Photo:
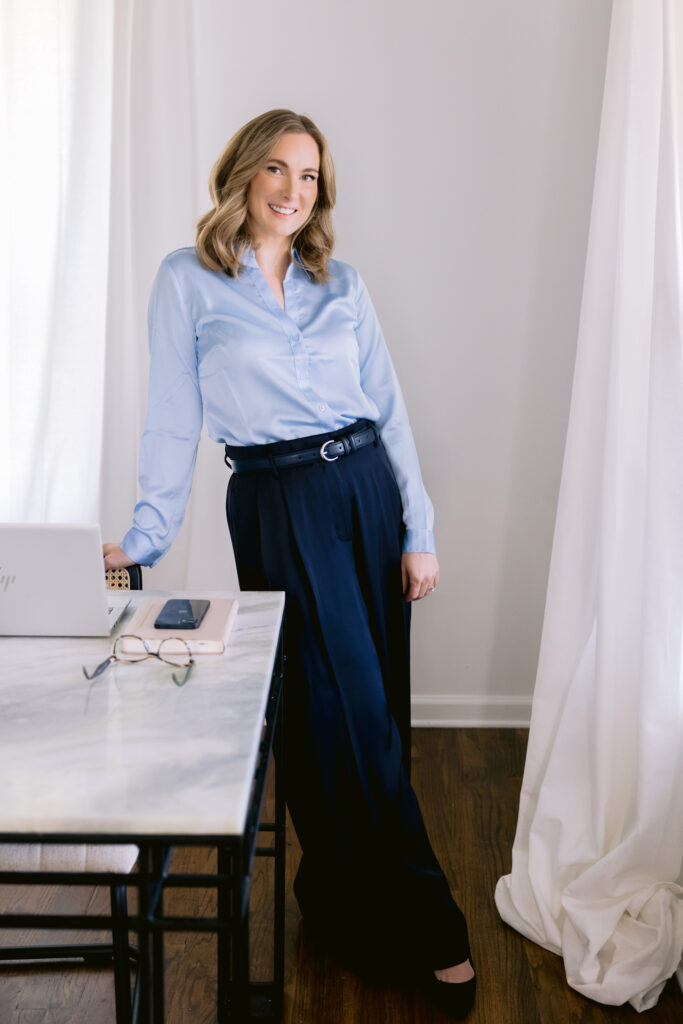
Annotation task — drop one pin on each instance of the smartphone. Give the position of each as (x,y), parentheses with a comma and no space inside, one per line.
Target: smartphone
(179,613)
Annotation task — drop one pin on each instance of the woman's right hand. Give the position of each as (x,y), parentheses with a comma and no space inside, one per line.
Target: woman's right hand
(115,557)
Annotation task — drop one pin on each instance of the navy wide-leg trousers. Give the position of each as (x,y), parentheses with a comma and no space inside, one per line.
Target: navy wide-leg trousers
(329,535)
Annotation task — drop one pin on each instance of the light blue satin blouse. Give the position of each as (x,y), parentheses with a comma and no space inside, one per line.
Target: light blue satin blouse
(223,348)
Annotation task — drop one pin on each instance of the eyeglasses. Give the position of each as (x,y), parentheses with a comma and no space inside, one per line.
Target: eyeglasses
(172,650)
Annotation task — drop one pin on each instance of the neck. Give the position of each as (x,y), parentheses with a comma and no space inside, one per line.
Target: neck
(272,256)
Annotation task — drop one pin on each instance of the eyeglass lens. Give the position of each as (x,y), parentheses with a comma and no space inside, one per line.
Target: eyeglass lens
(172,650)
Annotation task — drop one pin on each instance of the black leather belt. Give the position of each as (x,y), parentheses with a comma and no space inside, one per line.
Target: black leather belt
(329,451)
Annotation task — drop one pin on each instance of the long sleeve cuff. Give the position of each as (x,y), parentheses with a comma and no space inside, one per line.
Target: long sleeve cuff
(418,541)
(136,545)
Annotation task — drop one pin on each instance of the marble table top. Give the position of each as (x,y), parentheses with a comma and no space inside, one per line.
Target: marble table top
(130,753)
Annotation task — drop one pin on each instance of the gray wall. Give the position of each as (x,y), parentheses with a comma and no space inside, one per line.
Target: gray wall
(465,137)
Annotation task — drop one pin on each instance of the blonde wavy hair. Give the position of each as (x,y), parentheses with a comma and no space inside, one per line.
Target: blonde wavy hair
(223,232)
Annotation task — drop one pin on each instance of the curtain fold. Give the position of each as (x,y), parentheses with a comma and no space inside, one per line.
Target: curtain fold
(158,190)
(598,855)
(55,102)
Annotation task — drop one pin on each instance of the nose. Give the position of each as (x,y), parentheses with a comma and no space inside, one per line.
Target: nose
(288,187)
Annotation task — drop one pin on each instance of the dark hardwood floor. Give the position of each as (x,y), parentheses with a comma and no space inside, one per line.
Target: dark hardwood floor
(468,782)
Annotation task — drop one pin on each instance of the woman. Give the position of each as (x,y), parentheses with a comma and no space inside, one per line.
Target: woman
(278,345)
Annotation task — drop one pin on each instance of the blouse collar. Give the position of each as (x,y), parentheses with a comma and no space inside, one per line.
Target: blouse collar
(249,260)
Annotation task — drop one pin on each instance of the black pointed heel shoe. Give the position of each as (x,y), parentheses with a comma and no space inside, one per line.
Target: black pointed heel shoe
(456,998)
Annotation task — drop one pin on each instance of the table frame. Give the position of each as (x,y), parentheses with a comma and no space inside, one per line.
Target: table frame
(239,999)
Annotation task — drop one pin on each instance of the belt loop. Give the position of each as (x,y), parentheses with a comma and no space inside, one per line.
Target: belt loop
(225,458)
(273,468)
(376,433)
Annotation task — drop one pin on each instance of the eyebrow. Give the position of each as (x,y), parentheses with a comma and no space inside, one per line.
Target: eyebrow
(282,163)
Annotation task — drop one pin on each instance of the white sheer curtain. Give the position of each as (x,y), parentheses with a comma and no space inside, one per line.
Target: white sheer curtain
(159,188)
(597,859)
(55,158)
(98,180)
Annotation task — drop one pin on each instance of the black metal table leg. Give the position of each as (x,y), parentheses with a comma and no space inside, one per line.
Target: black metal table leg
(240,1009)
(279,867)
(158,964)
(122,988)
(223,940)
(146,964)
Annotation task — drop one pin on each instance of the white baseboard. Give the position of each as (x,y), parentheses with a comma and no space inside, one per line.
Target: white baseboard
(470,710)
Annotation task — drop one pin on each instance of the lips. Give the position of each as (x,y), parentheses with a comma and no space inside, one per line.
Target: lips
(284,211)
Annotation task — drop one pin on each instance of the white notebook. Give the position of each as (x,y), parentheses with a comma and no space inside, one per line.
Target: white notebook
(211,637)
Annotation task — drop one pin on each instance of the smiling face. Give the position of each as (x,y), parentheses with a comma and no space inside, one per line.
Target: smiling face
(282,193)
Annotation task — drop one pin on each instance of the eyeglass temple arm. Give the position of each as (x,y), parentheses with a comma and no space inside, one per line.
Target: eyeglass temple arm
(188,669)
(103,665)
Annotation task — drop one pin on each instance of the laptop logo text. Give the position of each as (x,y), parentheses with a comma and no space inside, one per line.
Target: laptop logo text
(5,582)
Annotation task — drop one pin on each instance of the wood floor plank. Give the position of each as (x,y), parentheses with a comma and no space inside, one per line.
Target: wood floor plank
(468,783)
(468,786)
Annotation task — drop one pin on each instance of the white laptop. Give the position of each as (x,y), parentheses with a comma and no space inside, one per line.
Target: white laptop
(52,582)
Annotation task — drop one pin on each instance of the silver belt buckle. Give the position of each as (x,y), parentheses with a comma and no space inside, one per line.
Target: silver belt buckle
(323,454)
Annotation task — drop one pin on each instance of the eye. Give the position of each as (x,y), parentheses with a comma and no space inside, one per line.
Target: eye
(310,177)
(274,169)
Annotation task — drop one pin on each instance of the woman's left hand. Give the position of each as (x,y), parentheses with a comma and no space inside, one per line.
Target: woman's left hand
(420,573)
